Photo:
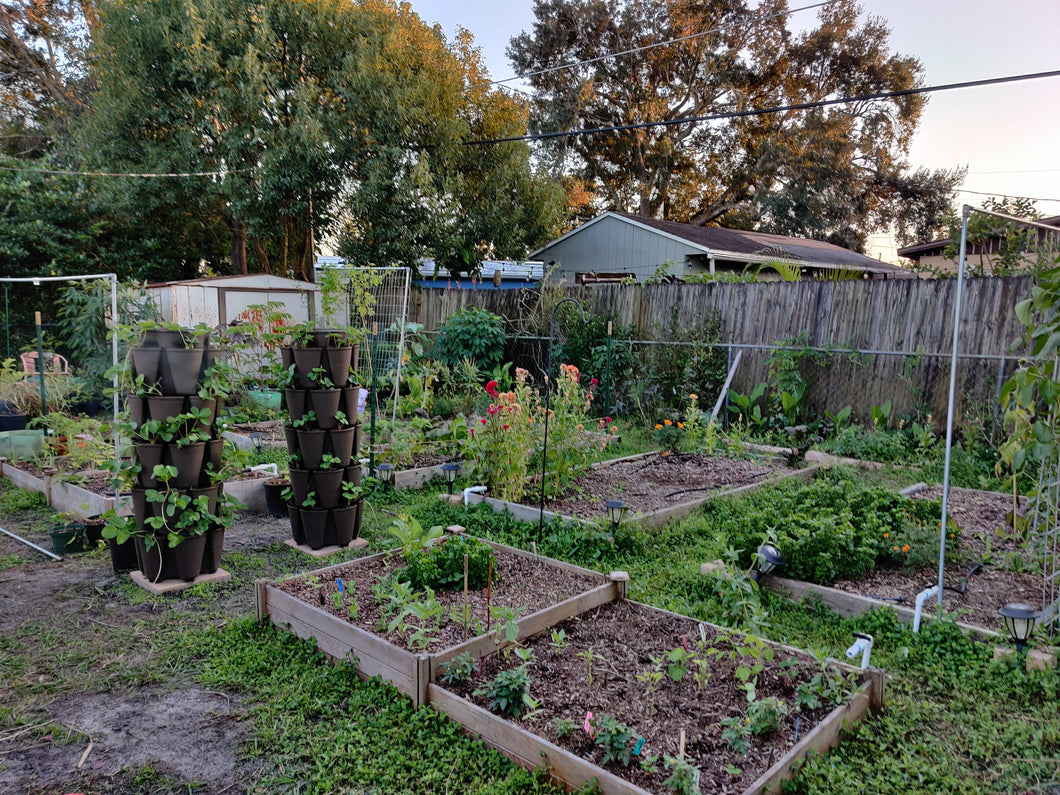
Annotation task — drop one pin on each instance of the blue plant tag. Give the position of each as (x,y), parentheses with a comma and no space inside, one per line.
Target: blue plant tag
(341,589)
(640,744)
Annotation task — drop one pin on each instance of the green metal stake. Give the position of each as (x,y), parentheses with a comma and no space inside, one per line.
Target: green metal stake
(607,375)
(373,408)
(40,366)
(7,319)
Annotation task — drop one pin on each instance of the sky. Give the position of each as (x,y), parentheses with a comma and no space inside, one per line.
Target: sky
(1008,135)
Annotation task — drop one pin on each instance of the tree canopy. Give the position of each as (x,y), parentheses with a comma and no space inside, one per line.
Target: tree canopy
(313,118)
(833,173)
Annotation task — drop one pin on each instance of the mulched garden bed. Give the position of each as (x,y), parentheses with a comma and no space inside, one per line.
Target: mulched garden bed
(518,582)
(984,537)
(660,481)
(622,638)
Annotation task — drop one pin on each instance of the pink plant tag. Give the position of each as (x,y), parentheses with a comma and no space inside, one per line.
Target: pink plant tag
(684,640)
(588,725)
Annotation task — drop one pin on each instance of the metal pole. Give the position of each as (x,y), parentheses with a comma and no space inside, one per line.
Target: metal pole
(548,402)
(7,318)
(114,361)
(373,407)
(607,375)
(965,213)
(29,544)
(40,366)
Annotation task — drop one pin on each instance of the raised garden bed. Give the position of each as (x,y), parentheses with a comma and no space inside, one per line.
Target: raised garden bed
(656,488)
(624,636)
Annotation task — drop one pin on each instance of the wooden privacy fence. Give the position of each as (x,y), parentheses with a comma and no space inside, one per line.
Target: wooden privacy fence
(905,325)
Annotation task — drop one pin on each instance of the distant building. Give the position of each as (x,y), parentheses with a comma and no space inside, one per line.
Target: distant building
(616,246)
(979,256)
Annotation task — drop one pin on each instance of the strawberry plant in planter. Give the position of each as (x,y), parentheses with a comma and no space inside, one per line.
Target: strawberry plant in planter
(321,439)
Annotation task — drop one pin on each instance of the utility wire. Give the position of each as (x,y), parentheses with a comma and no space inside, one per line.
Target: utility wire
(1005,195)
(736,114)
(55,172)
(635,50)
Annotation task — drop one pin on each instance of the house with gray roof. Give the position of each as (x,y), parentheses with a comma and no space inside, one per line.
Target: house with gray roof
(616,246)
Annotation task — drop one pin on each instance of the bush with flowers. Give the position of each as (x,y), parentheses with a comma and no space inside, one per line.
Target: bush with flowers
(507,438)
(502,441)
(694,432)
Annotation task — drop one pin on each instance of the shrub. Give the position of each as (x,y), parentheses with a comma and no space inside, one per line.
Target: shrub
(471,333)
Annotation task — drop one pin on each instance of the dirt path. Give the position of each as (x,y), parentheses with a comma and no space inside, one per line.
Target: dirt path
(85,705)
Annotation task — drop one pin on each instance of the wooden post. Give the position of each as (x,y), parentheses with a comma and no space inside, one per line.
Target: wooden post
(621,579)
(261,608)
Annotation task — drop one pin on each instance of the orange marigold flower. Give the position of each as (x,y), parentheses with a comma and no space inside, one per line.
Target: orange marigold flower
(905,548)
(666,453)
(681,425)
(886,535)
(896,549)
(658,427)
(667,422)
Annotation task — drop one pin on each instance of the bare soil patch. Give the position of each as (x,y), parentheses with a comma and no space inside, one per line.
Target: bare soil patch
(659,481)
(622,639)
(984,546)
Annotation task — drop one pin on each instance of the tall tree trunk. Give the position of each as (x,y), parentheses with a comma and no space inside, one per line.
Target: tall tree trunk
(237,231)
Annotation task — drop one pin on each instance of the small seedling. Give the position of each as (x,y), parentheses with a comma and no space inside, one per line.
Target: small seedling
(459,669)
(563,727)
(559,640)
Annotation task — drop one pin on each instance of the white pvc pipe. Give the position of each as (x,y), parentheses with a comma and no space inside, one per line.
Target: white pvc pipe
(965,213)
(473,490)
(270,468)
(29,544)
(922,597)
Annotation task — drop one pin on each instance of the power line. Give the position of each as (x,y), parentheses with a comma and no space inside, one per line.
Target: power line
(635,50)
(736,114)
(1005,195)
(58,173)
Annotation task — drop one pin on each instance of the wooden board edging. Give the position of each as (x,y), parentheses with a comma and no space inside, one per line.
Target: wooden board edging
(825,735)
(851,604)
(525,748)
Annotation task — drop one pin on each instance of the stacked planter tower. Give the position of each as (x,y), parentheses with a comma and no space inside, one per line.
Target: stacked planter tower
(178,449)
(323,437)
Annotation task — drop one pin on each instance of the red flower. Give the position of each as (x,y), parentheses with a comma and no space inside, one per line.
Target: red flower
(491,388)
(593,382)
(483,420)
(506,427)
(608,419)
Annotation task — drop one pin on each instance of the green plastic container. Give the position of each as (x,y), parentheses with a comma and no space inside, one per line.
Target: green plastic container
(266,398)
(69,538)
(21,444)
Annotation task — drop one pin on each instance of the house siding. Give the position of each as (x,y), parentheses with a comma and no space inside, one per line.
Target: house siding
(614,246)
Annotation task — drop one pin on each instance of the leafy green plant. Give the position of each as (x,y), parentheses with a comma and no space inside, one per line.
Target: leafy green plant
(411,535)
(614,737)
(471,333)
(684,777)
(559,640)
(651,677)
(441,566)
(563,727)
(509,692)
(766,715)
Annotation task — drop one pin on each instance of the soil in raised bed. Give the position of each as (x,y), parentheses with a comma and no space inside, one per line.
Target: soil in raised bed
(518,582)
(981,515)
(659,481)
(623,638)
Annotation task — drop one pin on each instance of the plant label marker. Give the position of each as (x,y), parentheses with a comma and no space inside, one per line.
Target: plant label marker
(797,719)
(636,749)
(338,582)
(489,585)
(588,726)
(681,747)
(684,640)
(703,633)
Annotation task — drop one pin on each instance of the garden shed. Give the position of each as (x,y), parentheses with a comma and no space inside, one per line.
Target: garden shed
(222,300)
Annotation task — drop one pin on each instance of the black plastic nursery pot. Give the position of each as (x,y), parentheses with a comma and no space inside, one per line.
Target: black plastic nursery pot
(13,422)
(275,504)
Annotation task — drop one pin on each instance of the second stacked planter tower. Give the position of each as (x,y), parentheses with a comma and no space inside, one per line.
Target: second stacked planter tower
(323,437)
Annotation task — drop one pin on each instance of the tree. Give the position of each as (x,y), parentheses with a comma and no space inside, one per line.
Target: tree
(43,74)
(309,118)
(829,173)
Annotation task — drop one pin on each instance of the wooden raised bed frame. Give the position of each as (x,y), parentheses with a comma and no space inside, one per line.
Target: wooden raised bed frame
(414,674)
